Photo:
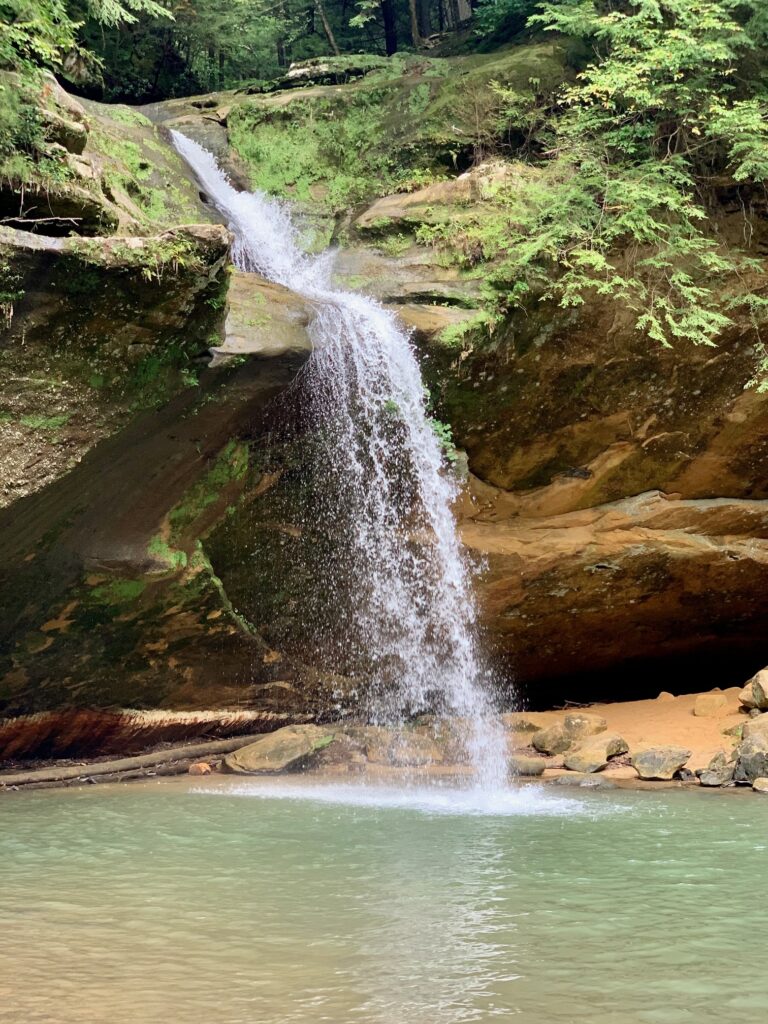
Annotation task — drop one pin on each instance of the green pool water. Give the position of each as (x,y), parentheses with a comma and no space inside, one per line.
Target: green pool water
(291,903)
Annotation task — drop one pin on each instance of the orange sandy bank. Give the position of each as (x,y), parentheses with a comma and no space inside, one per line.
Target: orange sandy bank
(664,721)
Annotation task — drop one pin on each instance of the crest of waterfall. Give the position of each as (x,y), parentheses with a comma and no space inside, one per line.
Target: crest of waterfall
(410,613)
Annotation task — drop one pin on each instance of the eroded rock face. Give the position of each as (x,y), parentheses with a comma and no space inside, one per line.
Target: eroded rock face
(107,596)
(643,577)
(98,328)
(115,174)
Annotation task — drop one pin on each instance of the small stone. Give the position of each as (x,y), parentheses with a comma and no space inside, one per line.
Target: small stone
(553,740)
(710,705)
(580,724)
(660,762)
(594,753)
(519,764)
(200,768)
(760,785)
(666,696)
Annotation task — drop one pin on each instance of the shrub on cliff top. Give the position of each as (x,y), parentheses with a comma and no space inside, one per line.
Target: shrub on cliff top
(629,158)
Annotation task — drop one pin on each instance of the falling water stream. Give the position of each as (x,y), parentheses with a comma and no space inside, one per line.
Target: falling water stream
(412,610)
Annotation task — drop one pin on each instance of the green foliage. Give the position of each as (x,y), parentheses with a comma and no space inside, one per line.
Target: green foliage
(26,157)
(636,138)
(10,291)
(35,33)
(336,151)
(155,258)
(623,162)
(37,421)
(44,33)
(455,335)
(444,435)
(503,15)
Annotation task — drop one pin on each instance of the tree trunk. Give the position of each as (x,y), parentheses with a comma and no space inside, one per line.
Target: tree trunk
(390,26)
(127,764)
(425,22)
(327,26)
(415,33)
(463,11)
(282,56)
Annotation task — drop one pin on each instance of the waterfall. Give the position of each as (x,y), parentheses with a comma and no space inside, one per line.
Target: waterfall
(411,613)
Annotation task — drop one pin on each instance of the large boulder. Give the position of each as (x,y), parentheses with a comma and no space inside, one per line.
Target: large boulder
(755,693)
(524,721)
(719,771)
(660,762)
(595,753)
(752,752)
(553,740)
(288,749)
(521,764)
(710,705)
(414,747)
(580,724)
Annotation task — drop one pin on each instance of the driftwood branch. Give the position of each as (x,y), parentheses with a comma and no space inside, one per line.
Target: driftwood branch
(21,218)
(125,765)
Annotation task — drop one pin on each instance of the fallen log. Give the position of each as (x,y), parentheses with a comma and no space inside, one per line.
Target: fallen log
(127,764)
